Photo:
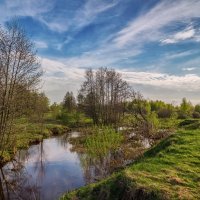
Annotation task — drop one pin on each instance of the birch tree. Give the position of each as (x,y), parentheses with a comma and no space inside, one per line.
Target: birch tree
(19,72)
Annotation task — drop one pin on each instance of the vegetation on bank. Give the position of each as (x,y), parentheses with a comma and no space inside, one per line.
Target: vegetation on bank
(103,141)
(170,170)
(29,132)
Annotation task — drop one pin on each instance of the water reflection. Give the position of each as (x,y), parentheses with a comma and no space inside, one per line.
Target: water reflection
(16,183)
(100,161)
(46,170)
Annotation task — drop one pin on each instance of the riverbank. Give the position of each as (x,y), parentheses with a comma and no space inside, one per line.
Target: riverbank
(170,170)
(28,133)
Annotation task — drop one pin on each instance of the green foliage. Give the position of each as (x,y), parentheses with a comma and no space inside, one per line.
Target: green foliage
(69,102)
(27,133)
(197,108)
(102,141)
(38,106)
(196,115)
(157,105)
(74,119)
(165,112)
(56,110)
(190,124)
(147,107)
(58,129)
(169,123)
(153,121)
(170,170)
(163,109)
(186,109)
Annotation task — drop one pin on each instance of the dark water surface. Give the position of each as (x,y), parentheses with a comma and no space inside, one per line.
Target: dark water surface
(47,170)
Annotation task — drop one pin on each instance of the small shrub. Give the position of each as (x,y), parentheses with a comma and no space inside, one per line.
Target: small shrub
(183,115)
(196,115)
(164,113)
(57,130)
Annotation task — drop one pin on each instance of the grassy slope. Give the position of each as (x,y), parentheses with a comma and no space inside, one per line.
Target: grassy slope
(170,170)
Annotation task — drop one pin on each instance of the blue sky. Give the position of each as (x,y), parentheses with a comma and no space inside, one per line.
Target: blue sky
(154,44)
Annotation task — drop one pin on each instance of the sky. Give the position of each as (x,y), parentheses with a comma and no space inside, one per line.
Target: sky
(154,44)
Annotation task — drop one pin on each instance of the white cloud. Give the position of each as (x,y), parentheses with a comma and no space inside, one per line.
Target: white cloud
(149,26)
(189,82)
(180,36)
(126,43)
(186,34)
(41,11)
(56,87)
(175,55)
(82,17)
(40,44)
(53,66)
(189,69)
(103,56)
(59,46)
(192,63)
(90,11)
(9,8)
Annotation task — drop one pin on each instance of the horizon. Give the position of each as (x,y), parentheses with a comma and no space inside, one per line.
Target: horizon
(155,45)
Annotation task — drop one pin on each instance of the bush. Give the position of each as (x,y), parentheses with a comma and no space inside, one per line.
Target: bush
(58,130)
(196,115)
(182,115)
(164,113)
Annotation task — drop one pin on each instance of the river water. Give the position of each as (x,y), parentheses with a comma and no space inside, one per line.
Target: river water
(49,169)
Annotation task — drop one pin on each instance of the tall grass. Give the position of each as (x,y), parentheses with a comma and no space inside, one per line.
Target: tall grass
(102,141)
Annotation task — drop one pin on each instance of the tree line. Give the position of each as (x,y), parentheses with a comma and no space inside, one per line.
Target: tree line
(107,99)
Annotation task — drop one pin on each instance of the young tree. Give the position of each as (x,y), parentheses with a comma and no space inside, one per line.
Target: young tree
(196,113)
(197,108)
(186,109)
(69,102)
(19,72)
(38,105)
(145,121)
(56,110)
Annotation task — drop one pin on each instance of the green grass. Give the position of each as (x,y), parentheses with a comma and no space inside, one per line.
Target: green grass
(190,124)
(75,119)
(102,141)
(170,170)
(27,133)
(169,123)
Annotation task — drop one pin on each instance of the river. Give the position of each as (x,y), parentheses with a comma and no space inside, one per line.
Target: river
(49,169)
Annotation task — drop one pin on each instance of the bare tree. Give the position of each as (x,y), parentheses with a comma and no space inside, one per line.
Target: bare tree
(19,72)
(103,95)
